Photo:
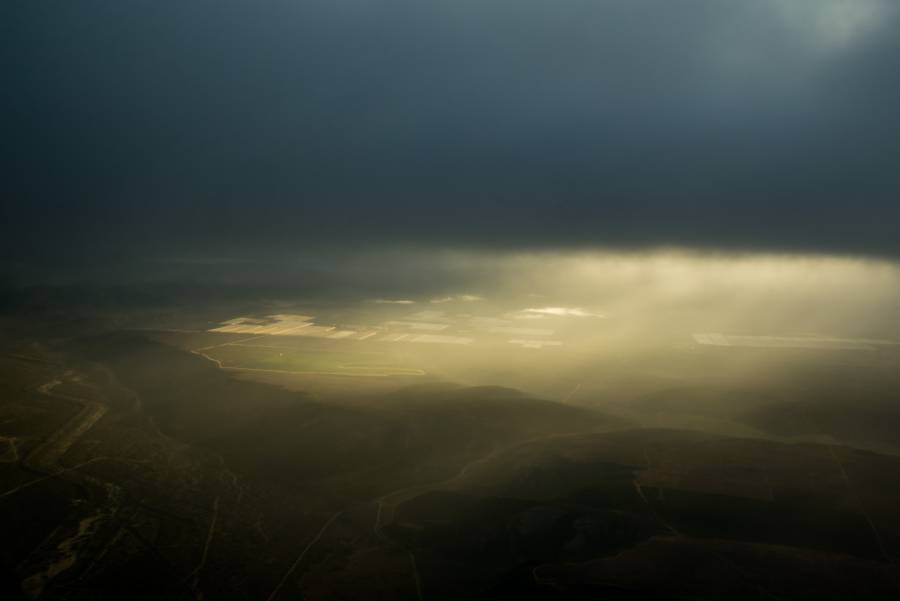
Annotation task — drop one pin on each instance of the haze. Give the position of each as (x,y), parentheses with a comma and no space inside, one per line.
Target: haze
(450,300)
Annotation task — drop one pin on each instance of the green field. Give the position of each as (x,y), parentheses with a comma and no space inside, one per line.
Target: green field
(347,363)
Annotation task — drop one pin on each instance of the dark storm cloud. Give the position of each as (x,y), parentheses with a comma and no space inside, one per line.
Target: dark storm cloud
(156,129)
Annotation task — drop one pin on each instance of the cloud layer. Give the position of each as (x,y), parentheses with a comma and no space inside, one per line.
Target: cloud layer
(208,128)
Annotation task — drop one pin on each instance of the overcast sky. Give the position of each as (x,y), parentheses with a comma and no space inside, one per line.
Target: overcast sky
(224,128)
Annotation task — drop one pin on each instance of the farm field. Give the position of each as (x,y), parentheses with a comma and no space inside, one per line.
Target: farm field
(325,362)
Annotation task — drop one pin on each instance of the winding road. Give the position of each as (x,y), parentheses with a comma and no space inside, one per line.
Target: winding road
(46,457)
